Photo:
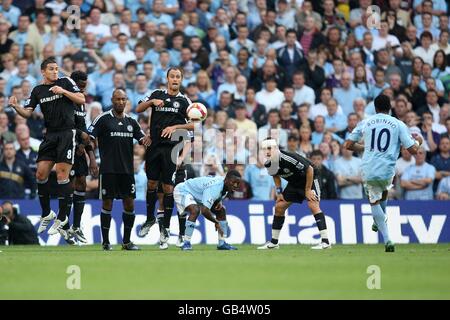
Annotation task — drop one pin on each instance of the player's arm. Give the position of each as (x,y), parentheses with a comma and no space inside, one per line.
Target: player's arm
(168,131)
(148,103)
(354,146)
(309,194)
(23,111)
(208,215)
(184,152)
(410,185)
(278,188)
(75,97)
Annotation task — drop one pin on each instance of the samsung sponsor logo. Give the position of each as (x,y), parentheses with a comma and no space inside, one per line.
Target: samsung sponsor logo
(121,134)
(51,98)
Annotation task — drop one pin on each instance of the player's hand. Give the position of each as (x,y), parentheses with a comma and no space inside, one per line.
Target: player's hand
(418,138)
(80,149)
(13,101)
(167,132)
(311,195)
(146,141)
(219,229)
(280,198)
(57,90)
(157,102)
(85,138)
(218,206)
(93,168)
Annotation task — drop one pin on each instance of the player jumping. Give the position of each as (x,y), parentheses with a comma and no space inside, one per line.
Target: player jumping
(56,98)
(204,195)
(302,184)
(168,115)
(382,137)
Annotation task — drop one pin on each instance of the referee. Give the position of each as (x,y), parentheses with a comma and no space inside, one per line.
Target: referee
(168,114)
(56,98)
(115,131)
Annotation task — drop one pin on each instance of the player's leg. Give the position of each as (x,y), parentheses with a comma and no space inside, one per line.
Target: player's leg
(180,177)
(163,234)
(277,224)
(194,211)
(128,217)
(105,222)
(314,207)
(79,200)
(168,203)
(376,196)
(65,153)
(221,216)
(44,168)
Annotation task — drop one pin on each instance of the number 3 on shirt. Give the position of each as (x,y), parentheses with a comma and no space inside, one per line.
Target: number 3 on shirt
(380,136)
(133,188)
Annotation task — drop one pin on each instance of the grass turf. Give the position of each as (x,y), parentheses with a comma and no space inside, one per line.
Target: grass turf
(293,272)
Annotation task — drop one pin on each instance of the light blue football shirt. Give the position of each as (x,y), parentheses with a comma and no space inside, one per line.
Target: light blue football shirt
(382,135)
(415,172)
(205,190)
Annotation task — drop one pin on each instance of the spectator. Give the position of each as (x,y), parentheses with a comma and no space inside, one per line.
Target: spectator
(206,91)
(273,129)
(303,93)
(290,57)
(441,161)
(326,177)
(352,121)
(27,155)
(140,91)
(334,121)
(100,30)
(384,39)
(417,180)
(293,145)
(443,192)
(401,109)
(425,51)
(319,130)
(22,74)
(348,175)
(305,146)
(230,81)
(334,79)
(255,111)
(192,93)
(123,54)
(286,119)
(14,175)
(269,70)
(245,127)
(314,74)
(242,41)
(346,94)
(260,181)
(360,81)
(20,230)
(245,190)
(405,160)
(9,67)
(271,97)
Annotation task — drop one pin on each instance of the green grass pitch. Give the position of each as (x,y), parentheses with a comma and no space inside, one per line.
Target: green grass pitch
(293,272)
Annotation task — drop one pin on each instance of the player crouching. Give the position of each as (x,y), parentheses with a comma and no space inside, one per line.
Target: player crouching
(302,184)
(204,195)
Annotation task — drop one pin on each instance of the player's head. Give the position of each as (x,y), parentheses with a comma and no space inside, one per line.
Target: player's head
(232,180)
(80,79)
(119,100)
(49,69)
(382,104)
(270,147)
(174,79)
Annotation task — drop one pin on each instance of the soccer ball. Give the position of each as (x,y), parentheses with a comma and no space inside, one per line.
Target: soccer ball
(196,111)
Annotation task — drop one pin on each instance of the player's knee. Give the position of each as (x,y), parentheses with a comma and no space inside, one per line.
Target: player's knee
(41,175)
(280,208)
(314,206)
(80,184)
(152,185)
(221,214)
(194,211)
(167,188)
(107,204)
(128,204)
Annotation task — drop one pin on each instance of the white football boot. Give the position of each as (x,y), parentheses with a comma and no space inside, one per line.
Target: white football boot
(269,245)
(45,221)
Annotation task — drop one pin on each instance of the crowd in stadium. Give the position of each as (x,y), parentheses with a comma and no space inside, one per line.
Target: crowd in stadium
(309,69)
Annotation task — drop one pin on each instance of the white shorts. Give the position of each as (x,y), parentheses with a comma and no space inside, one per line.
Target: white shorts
(182,199)
(375,188)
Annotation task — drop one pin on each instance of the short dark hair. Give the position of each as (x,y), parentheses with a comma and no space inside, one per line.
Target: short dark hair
(78,76)
(175,68)
(316,153)
(426,34)
(47,61)
(382,103)
(233,174)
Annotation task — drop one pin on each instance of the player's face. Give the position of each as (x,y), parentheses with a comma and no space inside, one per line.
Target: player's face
(233,184)
(174,79)
(50,73)
(119,101)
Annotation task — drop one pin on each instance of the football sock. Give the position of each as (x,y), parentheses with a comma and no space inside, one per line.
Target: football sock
(276,228)
(105,222)
(79,199)
(190,226)
(224,226)
(151,199)
(44,196)
(160,218)
(181,223)
(383,204)
(65,199)
(168,209)
(128,222)
(322,226)
(379,217)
